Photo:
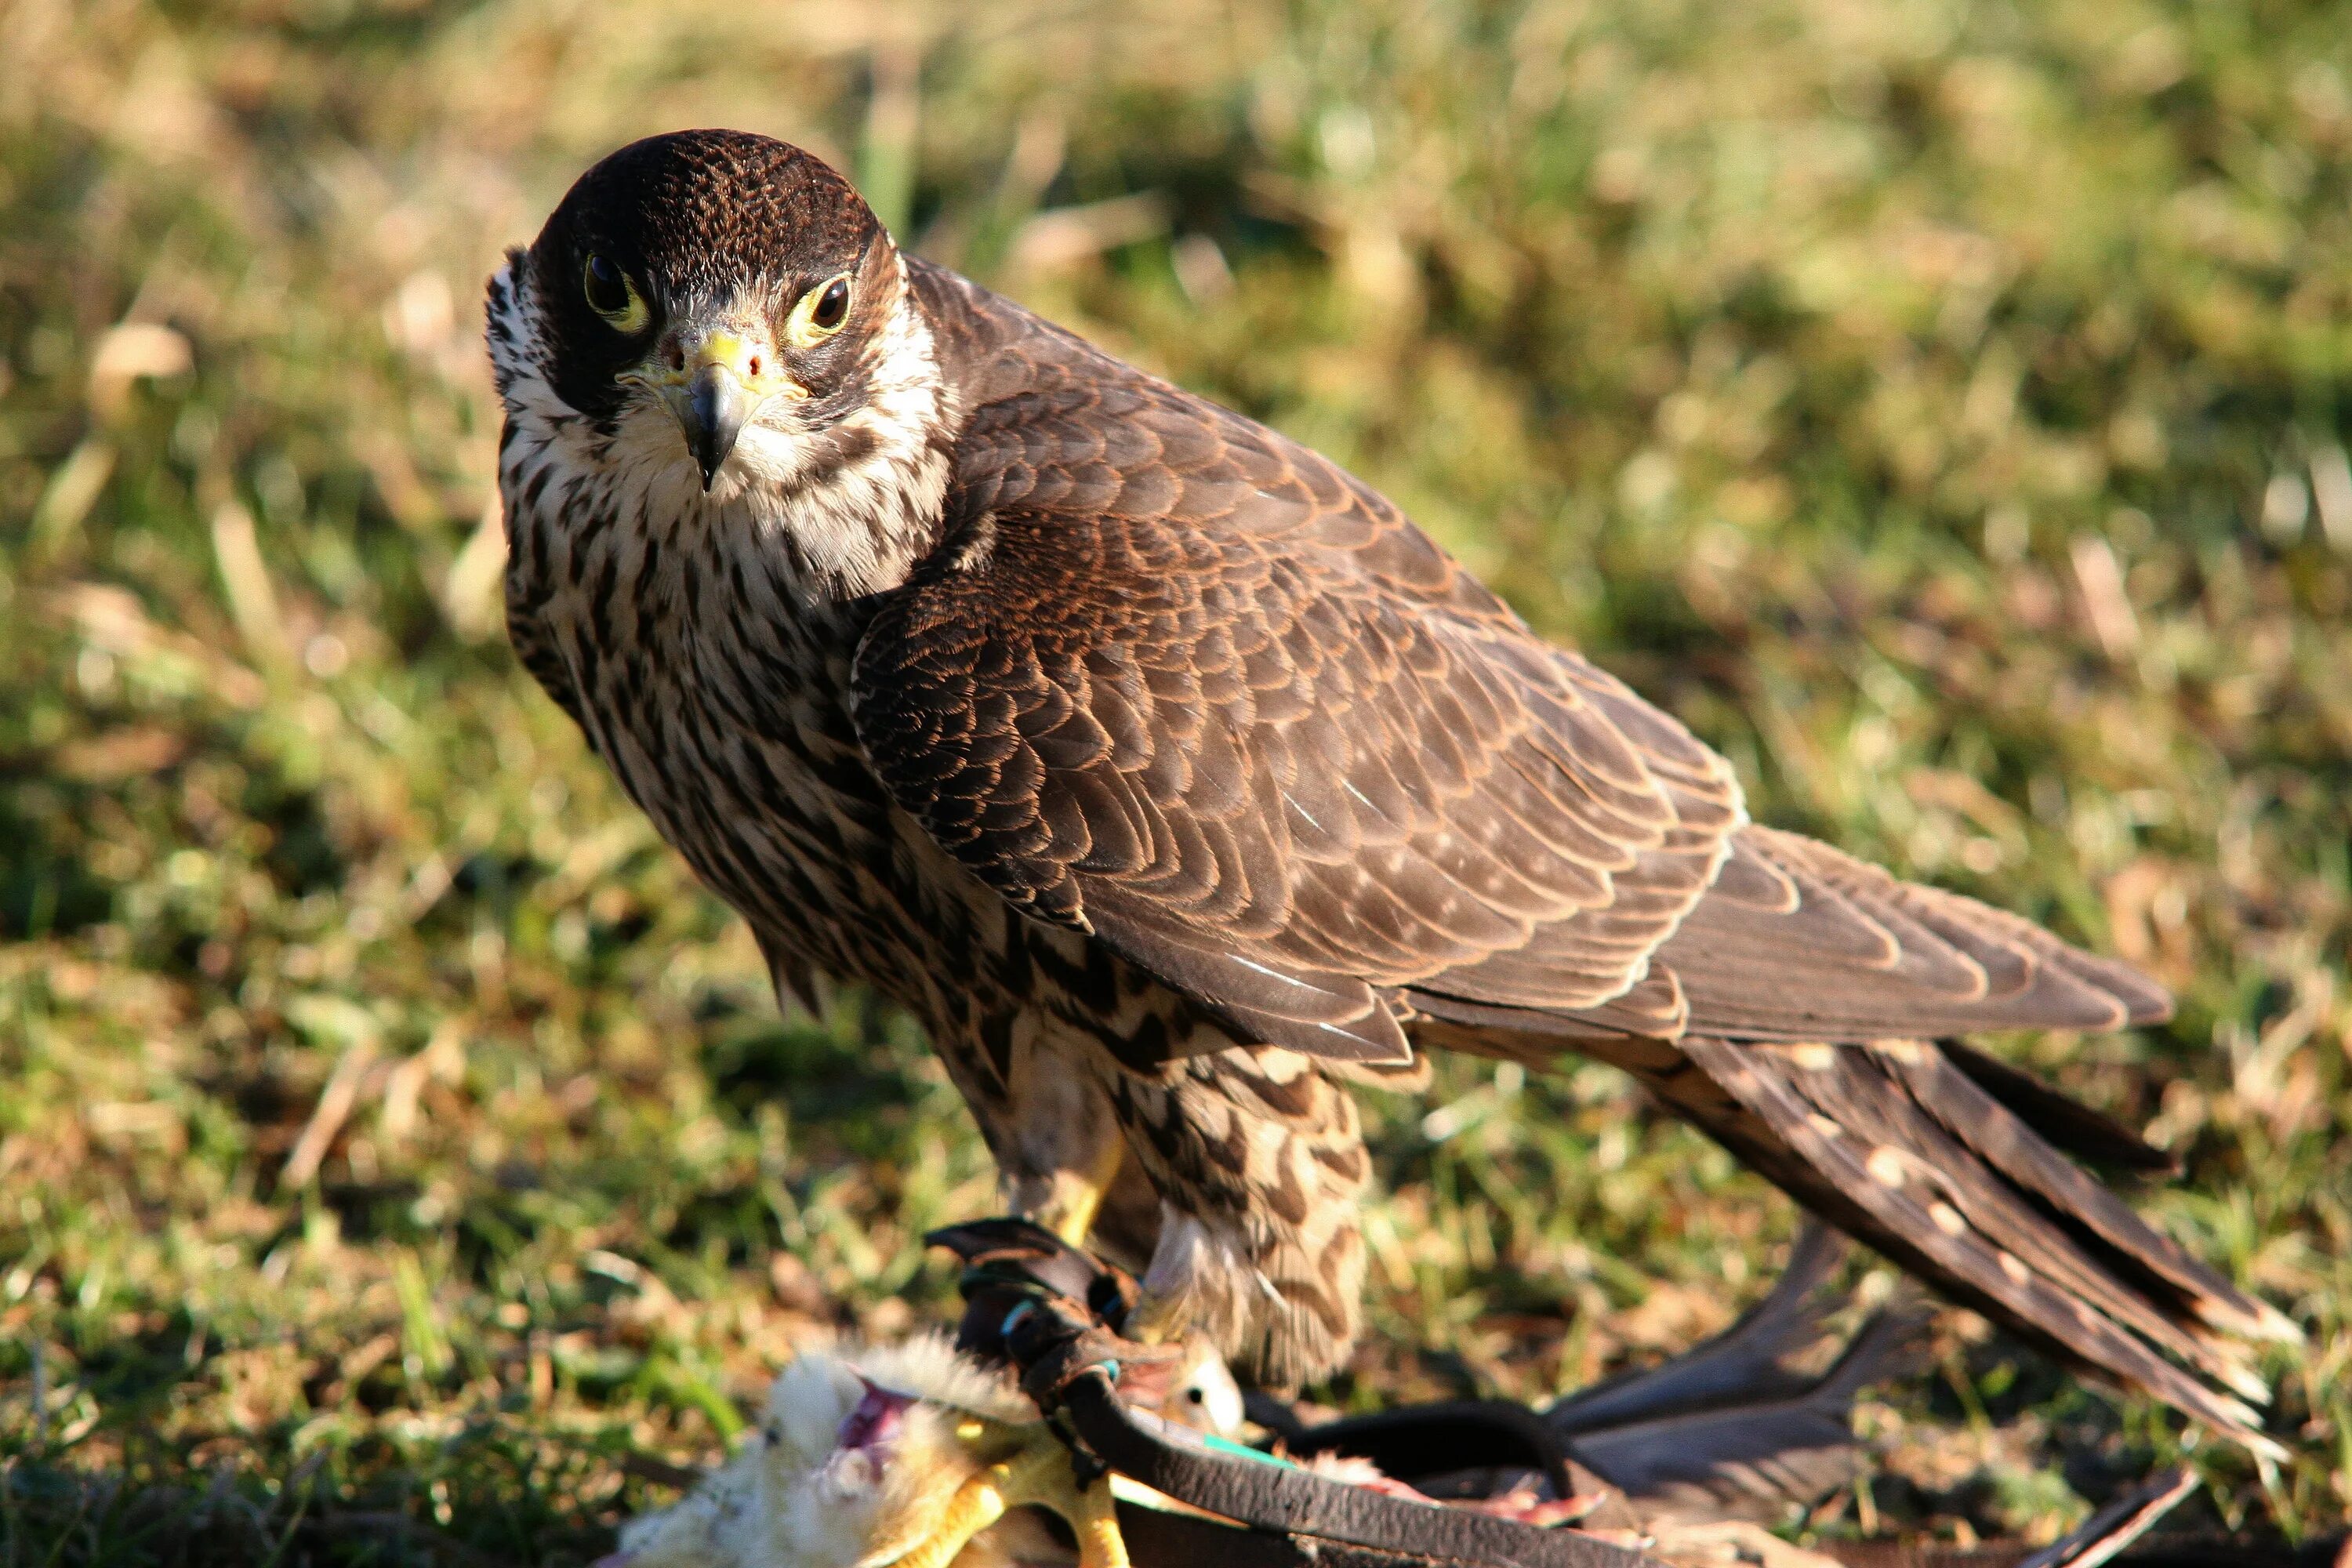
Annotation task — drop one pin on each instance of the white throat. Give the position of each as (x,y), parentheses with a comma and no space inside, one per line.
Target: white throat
(839,512)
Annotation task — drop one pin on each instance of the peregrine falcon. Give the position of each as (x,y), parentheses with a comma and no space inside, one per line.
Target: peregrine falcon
(1176,783)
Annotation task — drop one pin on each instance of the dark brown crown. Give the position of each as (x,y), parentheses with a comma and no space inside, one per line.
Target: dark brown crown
(702,210)
(694,216)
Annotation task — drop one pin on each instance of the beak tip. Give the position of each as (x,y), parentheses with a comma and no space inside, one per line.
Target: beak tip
(713,416)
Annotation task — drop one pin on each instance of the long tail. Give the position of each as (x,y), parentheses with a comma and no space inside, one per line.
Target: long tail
(1794,1015)
(1901,1146)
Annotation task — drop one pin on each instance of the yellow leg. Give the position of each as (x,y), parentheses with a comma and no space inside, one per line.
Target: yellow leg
(1078,1196)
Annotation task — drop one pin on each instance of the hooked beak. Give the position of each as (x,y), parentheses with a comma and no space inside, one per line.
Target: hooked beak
(724,376)
(717,405)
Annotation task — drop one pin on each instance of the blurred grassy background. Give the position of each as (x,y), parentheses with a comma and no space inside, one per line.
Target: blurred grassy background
(1943,408)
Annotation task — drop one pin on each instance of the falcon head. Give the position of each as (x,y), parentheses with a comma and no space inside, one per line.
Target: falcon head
(718,315)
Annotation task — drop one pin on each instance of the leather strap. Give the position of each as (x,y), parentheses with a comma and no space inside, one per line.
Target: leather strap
(1157,1538)
(1440,1438)
(1277,1497)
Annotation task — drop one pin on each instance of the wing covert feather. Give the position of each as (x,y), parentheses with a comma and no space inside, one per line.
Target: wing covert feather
(1166,653)
(1180,682)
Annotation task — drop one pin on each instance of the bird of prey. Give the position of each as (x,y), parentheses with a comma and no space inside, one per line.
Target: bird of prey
(1176,783)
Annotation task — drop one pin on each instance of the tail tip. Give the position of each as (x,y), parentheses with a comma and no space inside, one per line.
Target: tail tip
(2247,1317)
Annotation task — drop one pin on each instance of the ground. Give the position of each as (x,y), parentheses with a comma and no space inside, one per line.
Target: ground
(1943,408)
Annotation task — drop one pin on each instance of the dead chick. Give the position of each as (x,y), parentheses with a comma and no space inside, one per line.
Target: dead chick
(905,1455)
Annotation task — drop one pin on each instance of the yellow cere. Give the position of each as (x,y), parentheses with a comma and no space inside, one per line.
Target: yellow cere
(746,356)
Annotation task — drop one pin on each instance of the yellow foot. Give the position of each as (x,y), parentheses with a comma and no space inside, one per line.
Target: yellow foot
(1038,1473)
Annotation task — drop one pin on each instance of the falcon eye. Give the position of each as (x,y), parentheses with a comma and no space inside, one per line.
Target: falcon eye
(821,312)
(832,305)
(611,295)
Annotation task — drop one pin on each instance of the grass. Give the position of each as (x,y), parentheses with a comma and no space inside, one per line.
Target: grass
(1943,408)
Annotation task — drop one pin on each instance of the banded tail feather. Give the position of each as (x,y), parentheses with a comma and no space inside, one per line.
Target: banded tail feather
(1897,1144)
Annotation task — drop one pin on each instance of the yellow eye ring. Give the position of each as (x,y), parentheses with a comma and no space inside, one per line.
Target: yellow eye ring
(819,314)
(612,294)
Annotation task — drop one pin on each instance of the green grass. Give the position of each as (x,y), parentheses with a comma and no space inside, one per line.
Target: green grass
(1942,408)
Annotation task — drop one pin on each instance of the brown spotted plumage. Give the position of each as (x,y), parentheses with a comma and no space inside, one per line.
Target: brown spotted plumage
(1176,781)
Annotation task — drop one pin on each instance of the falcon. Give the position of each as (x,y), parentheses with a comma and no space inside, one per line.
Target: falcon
(1178,784)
